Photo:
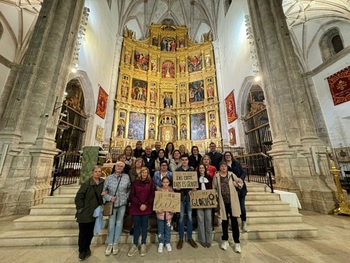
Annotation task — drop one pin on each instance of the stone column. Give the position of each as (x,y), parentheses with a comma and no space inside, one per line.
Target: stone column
(298,169)
(29,121)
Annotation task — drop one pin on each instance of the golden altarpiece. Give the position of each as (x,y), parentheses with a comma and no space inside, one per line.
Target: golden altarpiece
(166,91)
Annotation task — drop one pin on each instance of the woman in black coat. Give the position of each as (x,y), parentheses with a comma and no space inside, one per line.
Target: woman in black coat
(87,199)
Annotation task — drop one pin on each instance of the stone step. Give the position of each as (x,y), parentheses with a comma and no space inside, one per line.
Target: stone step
(51,237)
(67,190)
(273,217)
(53,209)
(256,196)
(59,199)
(269,207)
(46,221)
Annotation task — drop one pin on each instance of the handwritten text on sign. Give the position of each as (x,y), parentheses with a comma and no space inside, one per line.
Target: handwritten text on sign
(185,180)
(203,199)
(167,201)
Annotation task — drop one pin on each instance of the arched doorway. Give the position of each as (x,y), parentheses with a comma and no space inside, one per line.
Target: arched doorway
(256,122)
(72,121)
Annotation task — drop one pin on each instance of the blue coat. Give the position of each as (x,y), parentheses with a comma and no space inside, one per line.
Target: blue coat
(158,181)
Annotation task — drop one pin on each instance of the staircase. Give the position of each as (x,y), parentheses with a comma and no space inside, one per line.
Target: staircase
(53,222)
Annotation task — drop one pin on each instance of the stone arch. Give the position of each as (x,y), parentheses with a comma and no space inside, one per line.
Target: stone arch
(89,102)
(1,30)
(331,42)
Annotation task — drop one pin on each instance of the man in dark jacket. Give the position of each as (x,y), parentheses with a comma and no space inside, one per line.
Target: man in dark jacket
(138,151)
(215,156)
(87,199)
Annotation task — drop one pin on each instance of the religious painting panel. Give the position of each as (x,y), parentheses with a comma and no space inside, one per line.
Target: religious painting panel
(141,60)
(210,88)
(154,64)
(101,103)
(342,154)
(136,129)
(168,69)
(198,126)
(125,86)
(196,90)
(339,84)
(122,114)
(231,107)
(213,130)
(139,90)
(168,44)
(194,63)
(153,92)
(232,136)
(212,115)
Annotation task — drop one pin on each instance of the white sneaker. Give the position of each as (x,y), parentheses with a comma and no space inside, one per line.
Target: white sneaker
(109,250)
(244,226)
(238,248)
(115,249)
(224,245)
(132,250)
(168,247)
(160,248)
(143,250)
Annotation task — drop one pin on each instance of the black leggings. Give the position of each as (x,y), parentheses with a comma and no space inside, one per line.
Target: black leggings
(234,223)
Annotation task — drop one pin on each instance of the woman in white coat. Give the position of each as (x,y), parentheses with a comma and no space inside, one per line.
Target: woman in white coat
(225,183)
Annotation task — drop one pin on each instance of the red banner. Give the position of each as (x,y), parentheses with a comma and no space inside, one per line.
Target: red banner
(102,103)
(231,107)
(232,135)
(339,84)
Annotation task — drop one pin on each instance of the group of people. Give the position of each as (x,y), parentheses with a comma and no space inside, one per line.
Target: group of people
(138,173)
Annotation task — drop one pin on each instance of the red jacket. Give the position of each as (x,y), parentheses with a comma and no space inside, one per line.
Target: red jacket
(142,192)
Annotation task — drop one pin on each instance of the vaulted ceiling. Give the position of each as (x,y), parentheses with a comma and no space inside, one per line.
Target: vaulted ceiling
(200,16)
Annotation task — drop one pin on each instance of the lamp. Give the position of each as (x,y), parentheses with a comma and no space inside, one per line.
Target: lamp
(60,104)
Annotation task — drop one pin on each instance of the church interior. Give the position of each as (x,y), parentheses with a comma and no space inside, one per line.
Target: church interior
(267,78)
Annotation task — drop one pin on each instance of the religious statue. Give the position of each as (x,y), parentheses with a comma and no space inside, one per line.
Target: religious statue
(168,101)
(120,129)
(183,132)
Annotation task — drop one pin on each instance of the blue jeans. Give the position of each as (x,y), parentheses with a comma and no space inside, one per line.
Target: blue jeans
(185,207)
(140,225)
(115,224)
(163,231)
(243,211)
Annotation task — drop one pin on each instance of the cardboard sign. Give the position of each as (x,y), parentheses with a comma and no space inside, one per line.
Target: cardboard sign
(167,201)
(185,180)
(203,199)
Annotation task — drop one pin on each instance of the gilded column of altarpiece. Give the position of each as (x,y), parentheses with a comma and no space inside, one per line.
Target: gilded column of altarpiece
(166,91)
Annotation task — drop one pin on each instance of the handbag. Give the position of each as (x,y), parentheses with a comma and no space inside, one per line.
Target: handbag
(108,206)
(108,209)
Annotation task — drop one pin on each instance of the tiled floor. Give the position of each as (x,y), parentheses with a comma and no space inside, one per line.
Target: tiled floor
(331,245)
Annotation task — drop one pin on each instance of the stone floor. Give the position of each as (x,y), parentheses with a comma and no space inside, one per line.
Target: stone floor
(331,245)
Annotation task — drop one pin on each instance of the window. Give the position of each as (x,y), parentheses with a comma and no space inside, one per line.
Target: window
(331,43)
(337,44)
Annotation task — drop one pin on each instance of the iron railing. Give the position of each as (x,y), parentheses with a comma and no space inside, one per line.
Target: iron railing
(259,168)
(66,170)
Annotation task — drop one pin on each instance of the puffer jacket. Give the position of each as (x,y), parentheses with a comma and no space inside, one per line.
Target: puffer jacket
(87,199)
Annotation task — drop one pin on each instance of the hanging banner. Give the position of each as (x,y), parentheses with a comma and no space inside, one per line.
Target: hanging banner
(232,135)
(231,107)
(339,84)
(102,103)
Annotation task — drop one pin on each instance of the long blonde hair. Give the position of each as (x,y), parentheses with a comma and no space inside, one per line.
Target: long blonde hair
(144,168)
